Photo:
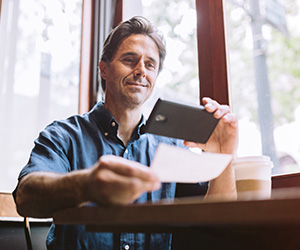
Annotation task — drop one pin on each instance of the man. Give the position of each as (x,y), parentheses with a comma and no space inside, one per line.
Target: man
(101,157)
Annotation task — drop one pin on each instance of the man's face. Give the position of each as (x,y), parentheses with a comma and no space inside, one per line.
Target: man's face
(131,75)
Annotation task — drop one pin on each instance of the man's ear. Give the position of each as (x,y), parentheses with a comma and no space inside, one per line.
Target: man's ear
(103,69)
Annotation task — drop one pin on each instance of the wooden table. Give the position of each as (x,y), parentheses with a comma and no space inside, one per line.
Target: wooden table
(195,224)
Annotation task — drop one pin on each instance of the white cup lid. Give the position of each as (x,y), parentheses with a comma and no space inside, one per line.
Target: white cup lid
(257,158)
(253,167)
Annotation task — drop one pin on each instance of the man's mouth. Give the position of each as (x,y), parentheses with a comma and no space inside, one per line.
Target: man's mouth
(138,84)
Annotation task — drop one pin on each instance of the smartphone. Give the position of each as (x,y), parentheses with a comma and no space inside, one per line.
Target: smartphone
(177,120)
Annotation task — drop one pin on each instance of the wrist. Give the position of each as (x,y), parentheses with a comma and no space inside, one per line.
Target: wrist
(78,184)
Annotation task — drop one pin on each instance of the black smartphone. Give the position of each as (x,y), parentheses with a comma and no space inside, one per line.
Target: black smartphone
(177,120)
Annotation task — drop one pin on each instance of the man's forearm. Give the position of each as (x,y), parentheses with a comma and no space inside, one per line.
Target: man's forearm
(39,194)
(224,185)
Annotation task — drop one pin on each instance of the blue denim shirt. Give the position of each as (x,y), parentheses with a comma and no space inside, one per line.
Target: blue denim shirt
(77,143)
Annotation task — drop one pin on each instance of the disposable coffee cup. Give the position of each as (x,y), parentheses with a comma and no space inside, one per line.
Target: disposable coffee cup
(253,177)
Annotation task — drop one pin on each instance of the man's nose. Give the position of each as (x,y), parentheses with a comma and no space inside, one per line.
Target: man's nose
(140,70)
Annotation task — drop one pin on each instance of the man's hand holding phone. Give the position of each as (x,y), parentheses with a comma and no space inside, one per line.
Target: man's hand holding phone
(225,136)
(177,120)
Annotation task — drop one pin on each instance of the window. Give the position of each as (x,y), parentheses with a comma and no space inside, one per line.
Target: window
(263,38)
(39,69)
(178,80)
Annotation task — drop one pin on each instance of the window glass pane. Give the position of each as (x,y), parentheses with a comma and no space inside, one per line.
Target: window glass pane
(263,40)
(39,69)
(178,80)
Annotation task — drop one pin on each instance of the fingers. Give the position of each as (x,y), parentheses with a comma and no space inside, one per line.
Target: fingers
(119,189)
(214,107)
(115,180)
(231,119)
(224,137)
(191,144)
(222,112)
(127,168)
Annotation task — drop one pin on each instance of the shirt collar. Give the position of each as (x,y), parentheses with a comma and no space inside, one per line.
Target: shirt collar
(107,123)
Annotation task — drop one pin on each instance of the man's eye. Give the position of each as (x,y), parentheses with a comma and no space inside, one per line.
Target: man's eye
(150,65)
(128,60)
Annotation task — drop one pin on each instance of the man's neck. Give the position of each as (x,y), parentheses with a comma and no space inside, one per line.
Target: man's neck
(127,119)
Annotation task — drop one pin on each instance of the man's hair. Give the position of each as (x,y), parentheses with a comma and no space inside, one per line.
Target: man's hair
(135,25)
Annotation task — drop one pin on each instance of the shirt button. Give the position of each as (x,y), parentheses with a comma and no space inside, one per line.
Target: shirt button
(126,247)
(126,151)
(106,133)
(113,124)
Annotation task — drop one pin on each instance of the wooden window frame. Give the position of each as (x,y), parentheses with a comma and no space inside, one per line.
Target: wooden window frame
(212,59)
(0,9)
(88,86)
(87,53)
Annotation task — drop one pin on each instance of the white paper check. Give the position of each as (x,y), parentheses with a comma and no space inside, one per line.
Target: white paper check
(174,164)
